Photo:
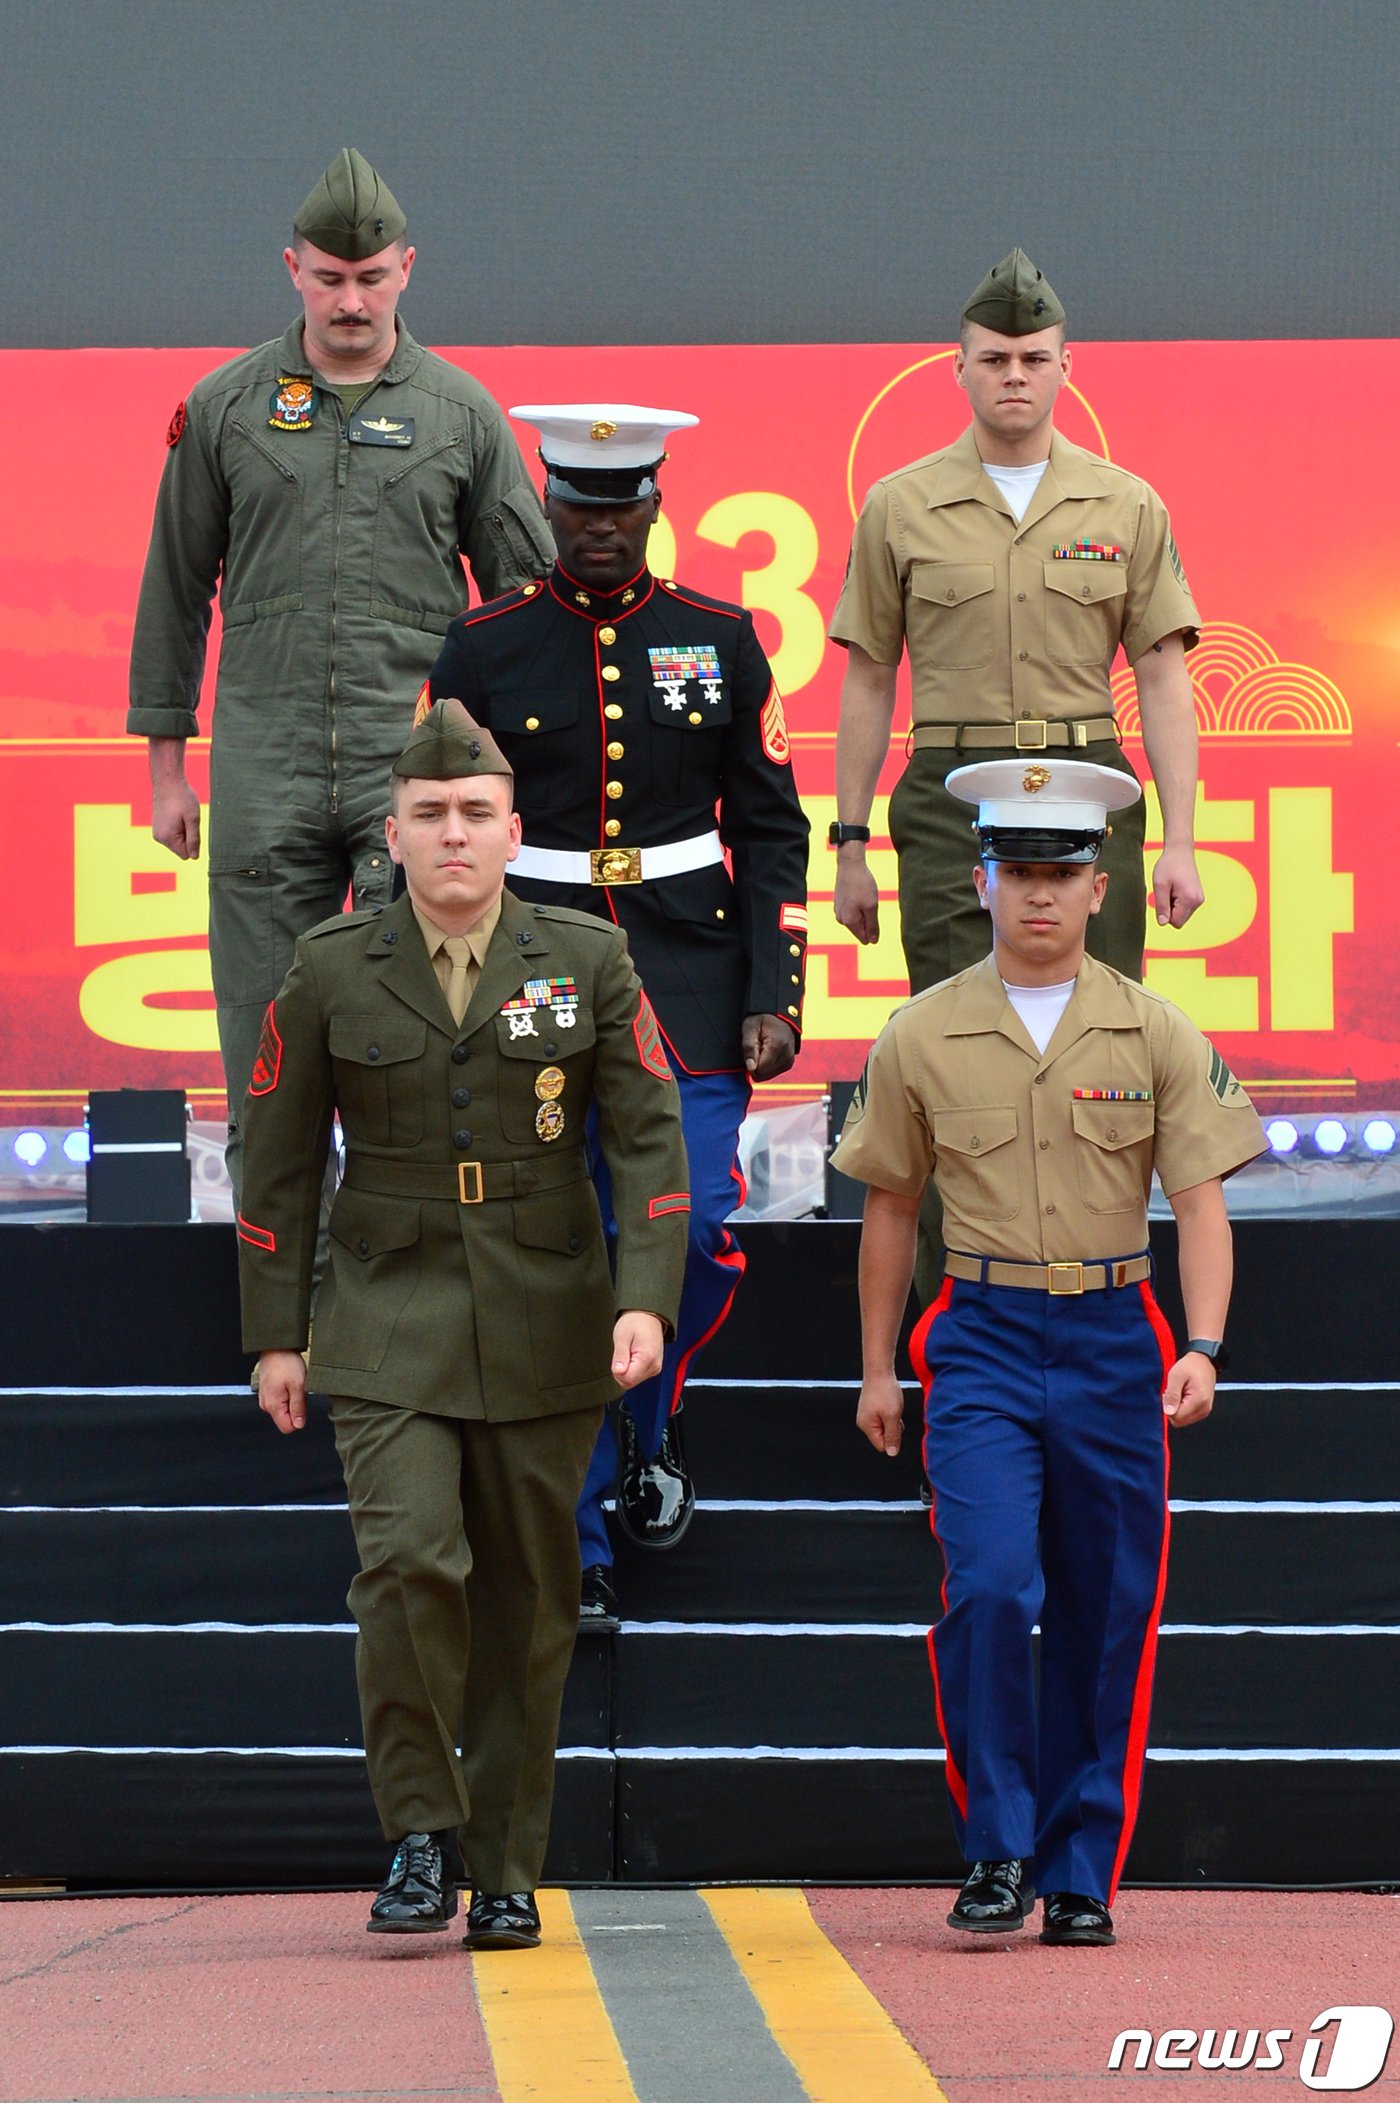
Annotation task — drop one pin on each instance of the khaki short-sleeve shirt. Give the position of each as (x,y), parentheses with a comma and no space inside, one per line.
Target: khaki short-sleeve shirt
(1045,1158)
(1005,621)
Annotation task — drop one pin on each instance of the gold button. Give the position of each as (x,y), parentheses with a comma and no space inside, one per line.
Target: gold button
(610,671)
(668,583)
(719,912)
(796,980)
(581,598)
(614,789)
(695,716)
(613,711)
(792,1011)
(628,597)
(532,722)
(529,590)
(607,635)
(613,828)
(614,750)
(794,949)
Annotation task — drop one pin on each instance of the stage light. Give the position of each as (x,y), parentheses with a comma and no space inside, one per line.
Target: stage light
(1282,1135)
(30,1148)
(1379,1136)
(76,1146)
(1330,1135)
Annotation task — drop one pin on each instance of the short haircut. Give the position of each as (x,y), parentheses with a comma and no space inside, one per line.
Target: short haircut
(300,242)
(965,325)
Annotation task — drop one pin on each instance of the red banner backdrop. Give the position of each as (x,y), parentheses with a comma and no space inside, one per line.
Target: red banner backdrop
(1272,458)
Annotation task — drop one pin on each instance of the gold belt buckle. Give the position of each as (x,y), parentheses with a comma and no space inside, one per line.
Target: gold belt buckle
(614,865)
(1032,733)
(1065,1278)
(476,1196)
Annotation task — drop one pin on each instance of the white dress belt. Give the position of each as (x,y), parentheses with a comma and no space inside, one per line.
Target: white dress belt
(553,865)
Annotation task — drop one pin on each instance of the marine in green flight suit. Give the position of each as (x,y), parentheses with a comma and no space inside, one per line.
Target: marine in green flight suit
(329,487)
(469,1329)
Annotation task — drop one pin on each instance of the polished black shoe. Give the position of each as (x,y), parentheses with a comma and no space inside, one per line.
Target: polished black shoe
(1069,1917)
(420,1891)
(995,1899)
(597,1606)
(655,1498)
(508,1922)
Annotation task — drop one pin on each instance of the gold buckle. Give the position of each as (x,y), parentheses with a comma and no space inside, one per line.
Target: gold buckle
(478,1194)
(614,865)
(1032,734)
(1062,1278)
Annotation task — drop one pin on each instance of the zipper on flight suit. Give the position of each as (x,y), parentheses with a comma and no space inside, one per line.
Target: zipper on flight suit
(342,476)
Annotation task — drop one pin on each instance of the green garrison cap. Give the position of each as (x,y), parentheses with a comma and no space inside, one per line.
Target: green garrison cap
(1014,299)
(447,745)
(351,212)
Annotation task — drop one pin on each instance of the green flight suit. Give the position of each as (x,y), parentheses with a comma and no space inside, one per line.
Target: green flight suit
(464,1327)
(336,547)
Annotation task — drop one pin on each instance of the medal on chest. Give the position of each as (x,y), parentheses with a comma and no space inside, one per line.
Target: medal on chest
(673,669)
(558,995)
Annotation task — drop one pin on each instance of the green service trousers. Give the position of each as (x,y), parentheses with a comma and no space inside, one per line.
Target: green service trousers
(467,1609)
(945,930)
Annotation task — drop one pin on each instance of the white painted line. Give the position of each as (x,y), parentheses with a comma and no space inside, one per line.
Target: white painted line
(1232,1507)
(154,1511)
(138,1146)
(1293,1754)
(912,1629)
(908,1631)
(245,1752)
(1223,1387)
(1263,1506)
(177,1628)
(145,1388)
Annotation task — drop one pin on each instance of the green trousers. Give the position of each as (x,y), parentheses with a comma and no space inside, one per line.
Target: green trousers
(945,930)
(467,1609)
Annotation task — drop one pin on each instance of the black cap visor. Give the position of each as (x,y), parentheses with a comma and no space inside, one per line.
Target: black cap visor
(610,485)
(1006,843)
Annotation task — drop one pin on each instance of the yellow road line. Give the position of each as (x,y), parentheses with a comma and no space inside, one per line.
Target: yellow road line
(548,2029)
(844,2047)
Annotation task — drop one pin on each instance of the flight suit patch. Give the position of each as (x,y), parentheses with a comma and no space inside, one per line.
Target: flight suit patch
(293,405)
(773,729)
(267,1067)
(177,426)
(379,430)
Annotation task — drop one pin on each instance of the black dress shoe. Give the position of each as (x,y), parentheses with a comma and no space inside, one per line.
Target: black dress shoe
(1069,1917)
(508,1922)
(995,1899)
(420,1891)
(655,1498)
(597,1606)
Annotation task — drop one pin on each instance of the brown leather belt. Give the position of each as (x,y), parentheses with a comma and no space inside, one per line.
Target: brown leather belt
(465,1182)
(1058,1279)
(1027,734)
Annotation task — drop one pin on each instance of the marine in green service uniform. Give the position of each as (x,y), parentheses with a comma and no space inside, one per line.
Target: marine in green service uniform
(468,1329)
(327,486)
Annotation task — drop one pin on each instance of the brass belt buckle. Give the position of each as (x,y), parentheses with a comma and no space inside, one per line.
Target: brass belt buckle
(1065,1278)
(614,865)
(1032,734)
(475,1196)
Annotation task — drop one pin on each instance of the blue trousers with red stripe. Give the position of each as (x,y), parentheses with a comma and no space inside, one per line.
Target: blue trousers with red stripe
(1045,1443)
(713,1106)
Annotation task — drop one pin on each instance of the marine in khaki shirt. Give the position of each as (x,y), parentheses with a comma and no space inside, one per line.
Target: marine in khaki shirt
(1012,566)
(1039,1089)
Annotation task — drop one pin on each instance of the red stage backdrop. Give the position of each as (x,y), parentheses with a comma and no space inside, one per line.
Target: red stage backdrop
(1271,457)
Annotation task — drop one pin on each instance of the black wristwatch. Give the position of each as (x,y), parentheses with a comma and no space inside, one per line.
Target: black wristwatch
(1209,1348)
(837,834)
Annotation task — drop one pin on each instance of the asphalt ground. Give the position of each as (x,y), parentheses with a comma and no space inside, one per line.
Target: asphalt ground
(722,1996)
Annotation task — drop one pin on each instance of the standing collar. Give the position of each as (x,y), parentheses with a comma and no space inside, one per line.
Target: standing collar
(593,605)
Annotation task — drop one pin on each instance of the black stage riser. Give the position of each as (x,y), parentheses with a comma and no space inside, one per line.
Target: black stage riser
(95,1306)
(1290,1569)
(744,1441)
(264,1823)
(1237,1693)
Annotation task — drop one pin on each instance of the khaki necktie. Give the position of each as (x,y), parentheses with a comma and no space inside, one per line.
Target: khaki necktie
(459,980)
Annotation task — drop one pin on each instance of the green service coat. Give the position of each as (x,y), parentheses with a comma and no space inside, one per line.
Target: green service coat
(499,1309)
(336,549)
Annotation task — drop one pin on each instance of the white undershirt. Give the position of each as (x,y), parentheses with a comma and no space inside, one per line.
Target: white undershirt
(1018,484)
(1040,1008)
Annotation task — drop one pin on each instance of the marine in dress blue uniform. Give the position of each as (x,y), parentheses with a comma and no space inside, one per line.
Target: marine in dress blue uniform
(653,777)
(1040,1089)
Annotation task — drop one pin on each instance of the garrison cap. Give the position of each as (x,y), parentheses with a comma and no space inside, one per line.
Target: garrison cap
(1053,810)
(447,746)
(602,452)
(351,212)
(1014,299)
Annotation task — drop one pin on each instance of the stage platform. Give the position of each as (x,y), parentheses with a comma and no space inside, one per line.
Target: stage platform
(179,1703)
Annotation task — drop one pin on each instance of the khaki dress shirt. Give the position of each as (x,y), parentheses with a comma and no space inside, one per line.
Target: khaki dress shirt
(478,941)
(1045,1158)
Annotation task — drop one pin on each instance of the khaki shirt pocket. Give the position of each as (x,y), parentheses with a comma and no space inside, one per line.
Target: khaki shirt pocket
(975,1163)
(375,1271)
(378,1077)
(1113,1154)
(1085,603)
(950,617)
